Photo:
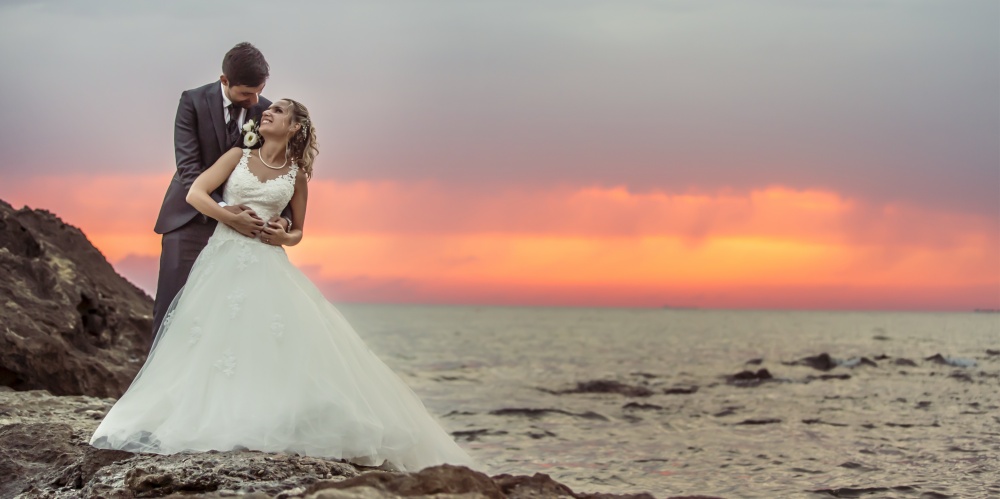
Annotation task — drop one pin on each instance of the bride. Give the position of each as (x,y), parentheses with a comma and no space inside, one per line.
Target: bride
(251,356)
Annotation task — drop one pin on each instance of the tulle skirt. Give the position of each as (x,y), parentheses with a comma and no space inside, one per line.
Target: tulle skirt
(251,356)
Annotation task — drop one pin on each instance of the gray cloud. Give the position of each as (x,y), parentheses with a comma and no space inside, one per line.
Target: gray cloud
(881,100)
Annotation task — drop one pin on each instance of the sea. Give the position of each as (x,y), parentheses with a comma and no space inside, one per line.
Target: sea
(622,401)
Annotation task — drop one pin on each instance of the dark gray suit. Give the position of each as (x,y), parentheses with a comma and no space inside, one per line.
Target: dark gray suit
(200,139)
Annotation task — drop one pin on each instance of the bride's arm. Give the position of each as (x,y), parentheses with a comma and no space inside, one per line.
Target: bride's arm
(199,196)
(298,205)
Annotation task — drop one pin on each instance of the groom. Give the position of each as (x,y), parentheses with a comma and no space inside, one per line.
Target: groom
(208,123)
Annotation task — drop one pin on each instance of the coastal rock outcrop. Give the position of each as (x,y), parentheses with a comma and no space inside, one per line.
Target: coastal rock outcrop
(69,323)
(44,453)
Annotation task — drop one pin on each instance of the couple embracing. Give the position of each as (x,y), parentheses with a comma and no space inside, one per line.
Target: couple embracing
(247,354)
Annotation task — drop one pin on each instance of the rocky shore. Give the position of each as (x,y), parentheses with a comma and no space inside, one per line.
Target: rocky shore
(44,453)
(73,334)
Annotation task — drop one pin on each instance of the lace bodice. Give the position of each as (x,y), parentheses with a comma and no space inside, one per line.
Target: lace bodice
(266,198)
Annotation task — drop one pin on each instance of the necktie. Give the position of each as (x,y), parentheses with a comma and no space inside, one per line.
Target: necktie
(233,127)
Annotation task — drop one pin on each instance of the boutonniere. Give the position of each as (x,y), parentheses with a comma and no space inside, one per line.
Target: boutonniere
(251,138)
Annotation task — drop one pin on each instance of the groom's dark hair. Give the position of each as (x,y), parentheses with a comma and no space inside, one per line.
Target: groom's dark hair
(245,65)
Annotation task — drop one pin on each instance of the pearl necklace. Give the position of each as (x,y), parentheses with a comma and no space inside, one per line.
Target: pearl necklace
(273,167)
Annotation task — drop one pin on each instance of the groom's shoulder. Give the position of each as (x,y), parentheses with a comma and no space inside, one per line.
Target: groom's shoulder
(208,87)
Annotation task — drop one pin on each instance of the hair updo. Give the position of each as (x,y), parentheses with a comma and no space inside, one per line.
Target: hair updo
(302,148)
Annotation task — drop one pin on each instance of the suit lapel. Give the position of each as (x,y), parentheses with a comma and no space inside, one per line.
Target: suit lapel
(214,101)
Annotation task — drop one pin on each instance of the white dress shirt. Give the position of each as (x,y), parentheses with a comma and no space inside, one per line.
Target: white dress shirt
(225,108)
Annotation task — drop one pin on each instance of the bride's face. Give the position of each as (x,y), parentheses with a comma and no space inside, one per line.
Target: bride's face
(277,119)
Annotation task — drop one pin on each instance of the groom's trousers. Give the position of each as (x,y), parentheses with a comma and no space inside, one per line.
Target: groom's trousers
(180,248)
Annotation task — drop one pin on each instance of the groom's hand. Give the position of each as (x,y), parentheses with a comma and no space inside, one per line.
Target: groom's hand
(246,222)
(280,221)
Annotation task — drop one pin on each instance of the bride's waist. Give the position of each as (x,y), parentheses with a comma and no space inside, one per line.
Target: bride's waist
(224,232)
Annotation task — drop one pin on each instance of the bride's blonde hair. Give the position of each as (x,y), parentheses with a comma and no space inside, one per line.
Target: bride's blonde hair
(302,147)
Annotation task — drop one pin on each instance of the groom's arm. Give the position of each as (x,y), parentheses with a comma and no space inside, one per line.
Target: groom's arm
(187,149)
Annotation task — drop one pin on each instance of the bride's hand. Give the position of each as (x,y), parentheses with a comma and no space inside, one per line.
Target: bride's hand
(274,234)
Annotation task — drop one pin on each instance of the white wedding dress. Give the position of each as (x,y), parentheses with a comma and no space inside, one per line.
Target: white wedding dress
(250,355)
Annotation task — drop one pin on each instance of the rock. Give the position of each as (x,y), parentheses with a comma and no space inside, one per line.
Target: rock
(826,377)
(949,361)
(822,362)
(858,361)
(443,479)
(749,378)
(534,413)
(44,453)
(473,435)
(820,421)
(728,411)
(70,324)
(541,485)
(904,362)
(640,406)
(608,386)
(681,390)
(759,421)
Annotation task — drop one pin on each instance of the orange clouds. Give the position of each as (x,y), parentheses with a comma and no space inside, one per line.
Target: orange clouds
(774,247)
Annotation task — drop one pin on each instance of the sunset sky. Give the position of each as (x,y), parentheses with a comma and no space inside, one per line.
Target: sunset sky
(734,154)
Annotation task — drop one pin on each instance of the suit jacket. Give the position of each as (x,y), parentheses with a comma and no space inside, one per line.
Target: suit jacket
(199,141)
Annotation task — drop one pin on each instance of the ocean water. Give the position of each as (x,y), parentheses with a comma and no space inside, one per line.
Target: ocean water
(904,427)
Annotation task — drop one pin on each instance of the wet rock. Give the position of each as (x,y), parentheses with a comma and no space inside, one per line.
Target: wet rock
(681,390)
(446,479)
(822,362)
(949,361)
(820,421)
(541,485)
(72,325)
(858,361)
(443,479)
(608,386)
(459,413)
(851,465)
(991,353)
(862,491)
(754,362)
(759,421)
(534,413)
(539,433)
(749,378)
(827,377)
(904,362)
(728,411)
(641,406)
(473,435)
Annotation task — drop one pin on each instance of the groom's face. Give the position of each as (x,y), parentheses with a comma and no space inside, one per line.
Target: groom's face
(242,95)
